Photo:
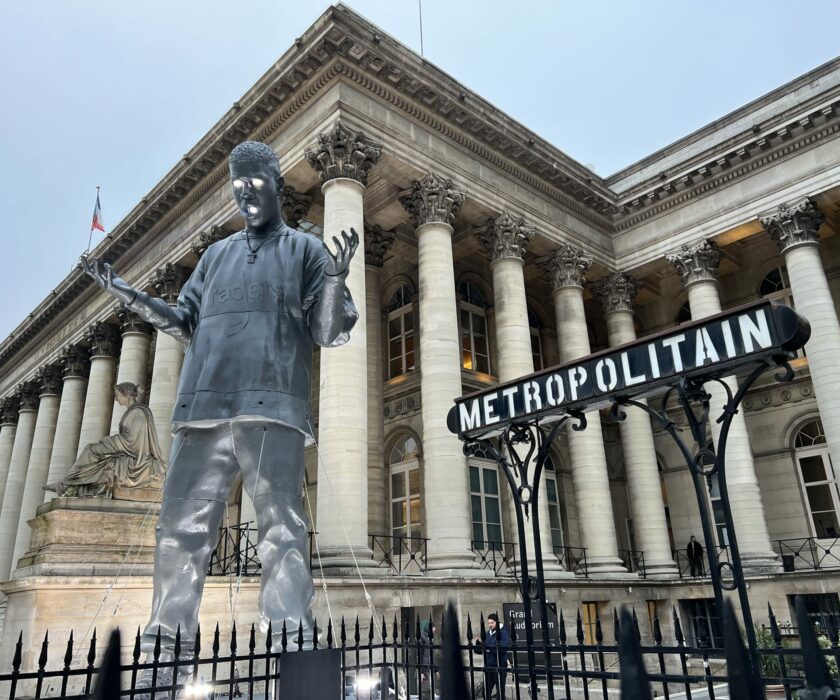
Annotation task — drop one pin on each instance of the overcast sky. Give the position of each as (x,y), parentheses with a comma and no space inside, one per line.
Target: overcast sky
(98,92)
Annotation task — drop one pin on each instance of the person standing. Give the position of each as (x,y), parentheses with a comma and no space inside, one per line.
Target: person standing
(496,656)
(694,551)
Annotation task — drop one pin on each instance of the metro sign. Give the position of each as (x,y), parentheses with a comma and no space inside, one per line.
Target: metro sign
(716,346)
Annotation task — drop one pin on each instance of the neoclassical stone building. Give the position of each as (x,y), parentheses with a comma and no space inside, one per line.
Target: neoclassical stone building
(488,254)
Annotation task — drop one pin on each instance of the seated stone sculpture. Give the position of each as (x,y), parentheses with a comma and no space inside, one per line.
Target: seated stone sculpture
(130,459)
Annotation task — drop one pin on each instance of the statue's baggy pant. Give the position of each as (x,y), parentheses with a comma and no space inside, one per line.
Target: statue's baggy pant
(204,462)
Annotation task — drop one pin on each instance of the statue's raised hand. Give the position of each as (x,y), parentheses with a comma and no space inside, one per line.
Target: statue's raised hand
(339,263)
(104,276)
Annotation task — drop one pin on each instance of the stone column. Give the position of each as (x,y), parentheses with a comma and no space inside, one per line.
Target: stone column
(10,512)
(566,269)
(8,428)
(50,381)
(134,357)
(76,364)
(697,265)
(104,341)
(169,355)
(505,239)
(795,229)
(432,203)
(616,294)
(377,244)
(343,159)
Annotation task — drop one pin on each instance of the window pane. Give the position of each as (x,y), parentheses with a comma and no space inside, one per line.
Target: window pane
(491,506)
(551,489)
(397,514)
(480,345)
(414,482)
(475,481)
(409,360)
(819,498)
(478,324)
(554,518)
(394,328)
(465,320)
(482,364)
(415,511)
(409,342)
(826,524)
(478,535)
(395,347)
(395,368)
(494,534)
(813,468)
(408,322)
(491,482)
(556,537)
(475,501)
(398,485)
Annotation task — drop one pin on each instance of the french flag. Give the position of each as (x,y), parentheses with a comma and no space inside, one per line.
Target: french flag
(96,223)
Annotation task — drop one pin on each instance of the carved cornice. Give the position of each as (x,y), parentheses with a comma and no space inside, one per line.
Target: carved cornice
(10,410)
(208,238)
(295,206)
(794,224)
(616,292)
(343,153)
(50,380)
(505,237)
(30,395)
(433,199)
(168,280)
(75,360)
(696,263)
(131,322)
(377,243)
(566,267)
(104,340)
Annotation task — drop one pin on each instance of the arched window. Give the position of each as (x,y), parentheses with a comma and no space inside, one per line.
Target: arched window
(400,332)
(475,348)
(406,508)
(776,285)
(485,505)
(556,505)
(817,479)
(536,342)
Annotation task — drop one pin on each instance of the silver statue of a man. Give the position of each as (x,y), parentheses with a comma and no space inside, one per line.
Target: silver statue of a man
(249,316)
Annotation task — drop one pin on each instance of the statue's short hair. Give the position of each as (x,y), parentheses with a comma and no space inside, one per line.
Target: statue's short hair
(129,389)
(251,151)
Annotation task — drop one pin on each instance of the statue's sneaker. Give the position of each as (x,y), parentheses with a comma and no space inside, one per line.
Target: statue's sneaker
(162,680)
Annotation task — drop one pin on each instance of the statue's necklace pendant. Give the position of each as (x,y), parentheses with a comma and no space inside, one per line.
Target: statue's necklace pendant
(251,257)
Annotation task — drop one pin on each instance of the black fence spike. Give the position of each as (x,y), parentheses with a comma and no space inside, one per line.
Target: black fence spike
(135,653)
(16,660)
(108,679)
(384,630)
(774,627)
(252,640)
(816,671)
(177,648)
(233,639)
(91,656)
(68,653)
(657,631)
(579,629)
(216,643)
(370,631)
(300,635)
(453,679)
(636,630)
(197,644)
(330,639)
(562,630)
(742,681)
(156,650)
(635,684)
(315,634)
(356,633)
(678,633)
(343,633)
(284,637)
(269,641)
(42,657)
(482,630)
(599,633)
(395,630)
(616,625)
(469,629)
(417,630)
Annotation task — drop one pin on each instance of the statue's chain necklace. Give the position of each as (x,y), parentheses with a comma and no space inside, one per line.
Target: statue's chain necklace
(252,255)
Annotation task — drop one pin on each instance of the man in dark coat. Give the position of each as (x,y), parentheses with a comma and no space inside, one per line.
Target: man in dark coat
(496,656)
(694,551)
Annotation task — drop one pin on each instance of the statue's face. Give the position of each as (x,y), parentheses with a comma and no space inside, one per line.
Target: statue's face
(255,190)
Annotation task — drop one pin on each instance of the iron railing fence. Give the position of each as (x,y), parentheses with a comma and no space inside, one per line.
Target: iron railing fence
(382,659)
(701,569)
(498,557)
(634,561)
(573,559)
(402,555)
(236,552)
(809,553)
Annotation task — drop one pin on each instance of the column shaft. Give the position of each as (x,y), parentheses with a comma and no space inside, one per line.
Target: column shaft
(342,405)
(7,442)
(67,428)
(166,369)
(133,367)
(99,401)
(10,512)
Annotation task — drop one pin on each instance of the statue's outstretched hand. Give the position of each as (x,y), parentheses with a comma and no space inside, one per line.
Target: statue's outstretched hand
(103,275)
(339,263)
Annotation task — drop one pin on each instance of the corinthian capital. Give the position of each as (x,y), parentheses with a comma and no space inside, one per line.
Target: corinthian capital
(433,199)
(794,224)
(30,394)
(505,237)
(130,322)
(377,243)
(343,153)
(10,410)
(167,281)
(103,339)
(295,206)
(50,380)
(75,360)
(696,263)
(566,267)
(616,292)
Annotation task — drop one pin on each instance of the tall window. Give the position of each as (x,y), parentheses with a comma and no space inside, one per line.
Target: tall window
(536,342)
(484,502)
(556,504)
(717,511)
(400,332)
(475,350)
(406,516)
(818,481)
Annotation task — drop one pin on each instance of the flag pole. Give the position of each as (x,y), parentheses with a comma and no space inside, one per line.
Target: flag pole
(90,237)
